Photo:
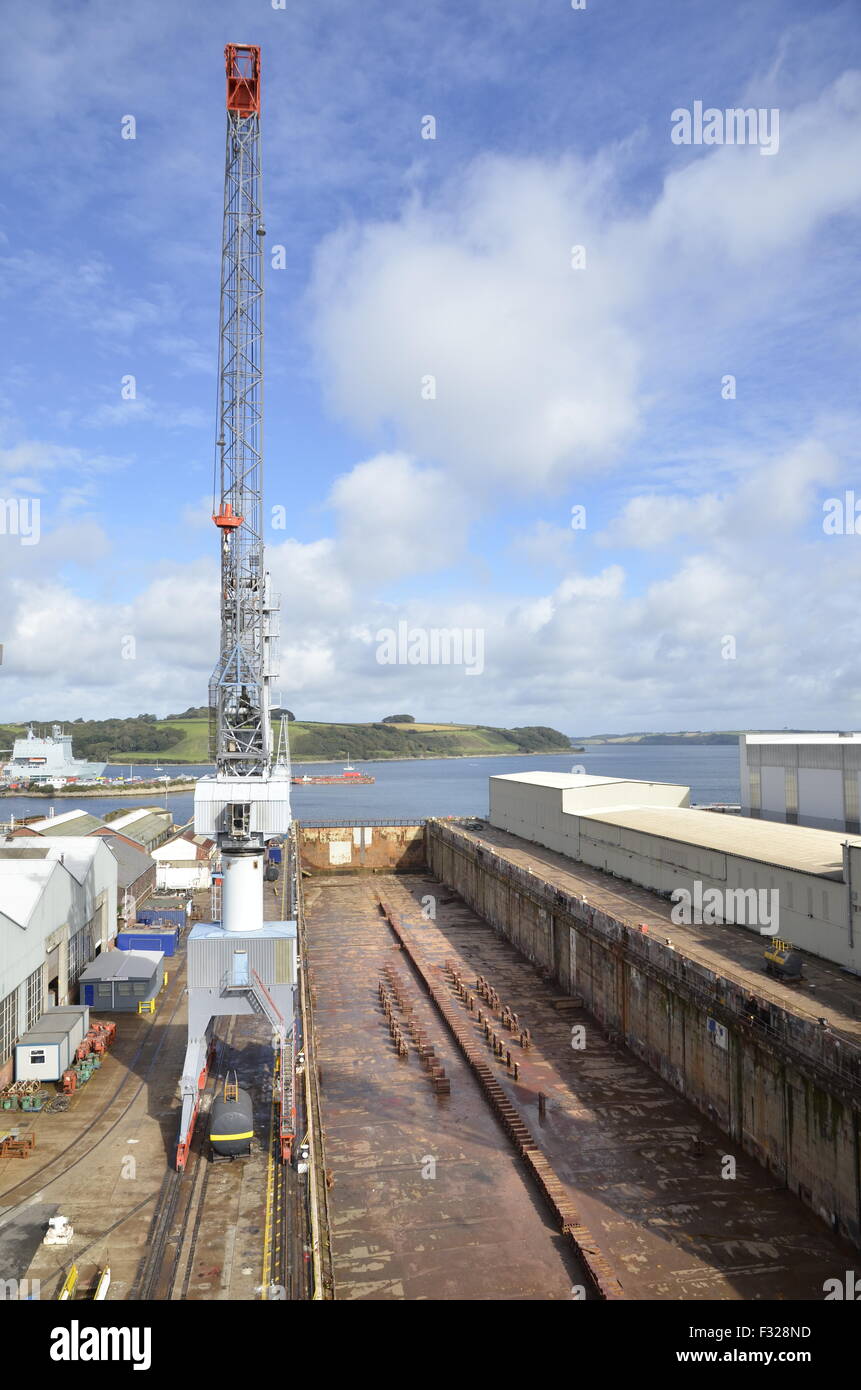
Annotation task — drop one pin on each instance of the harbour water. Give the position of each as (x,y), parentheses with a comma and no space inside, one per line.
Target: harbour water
(410,790)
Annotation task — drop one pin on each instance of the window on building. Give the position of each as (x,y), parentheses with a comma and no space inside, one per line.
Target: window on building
(80,953)
(123,987)
(104,991)
(34,998)
(8,1024)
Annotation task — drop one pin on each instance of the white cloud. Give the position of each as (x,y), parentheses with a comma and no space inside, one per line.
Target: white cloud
(543,372)
(143,409)
(397,519)
(534,371)
(544,546)
(773,498)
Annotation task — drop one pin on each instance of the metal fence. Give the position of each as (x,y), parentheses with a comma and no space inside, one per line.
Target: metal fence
(391,822)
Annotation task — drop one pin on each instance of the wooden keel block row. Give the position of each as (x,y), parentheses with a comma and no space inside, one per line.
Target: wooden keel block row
(600,1276)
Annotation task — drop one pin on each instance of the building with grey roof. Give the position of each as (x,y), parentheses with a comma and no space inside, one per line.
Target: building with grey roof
(121,981)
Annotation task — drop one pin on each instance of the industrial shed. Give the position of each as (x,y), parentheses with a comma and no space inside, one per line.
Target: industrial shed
(120,981)
(802,779)
(538,805)
(149,826)
(135,875)
(658,842)
(75,822)
(58,907)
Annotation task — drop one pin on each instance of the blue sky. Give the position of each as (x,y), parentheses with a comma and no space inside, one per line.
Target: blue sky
(555,386)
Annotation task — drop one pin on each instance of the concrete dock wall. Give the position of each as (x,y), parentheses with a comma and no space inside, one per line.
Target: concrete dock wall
(362,848)
(775,1083)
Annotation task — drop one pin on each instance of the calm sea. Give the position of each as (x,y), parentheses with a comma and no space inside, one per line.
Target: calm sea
(436,786)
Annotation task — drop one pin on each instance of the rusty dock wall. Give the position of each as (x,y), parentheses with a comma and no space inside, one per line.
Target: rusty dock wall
(786,1091)
(364,848)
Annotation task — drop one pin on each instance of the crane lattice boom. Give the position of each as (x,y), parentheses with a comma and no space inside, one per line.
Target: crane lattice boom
(239,691)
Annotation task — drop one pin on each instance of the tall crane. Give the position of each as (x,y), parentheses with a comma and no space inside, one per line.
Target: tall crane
(240,964)
(240,734)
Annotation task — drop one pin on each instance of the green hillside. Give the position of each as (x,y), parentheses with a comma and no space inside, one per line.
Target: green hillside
(186,740)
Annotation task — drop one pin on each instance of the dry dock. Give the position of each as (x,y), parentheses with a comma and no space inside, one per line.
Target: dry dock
(428,1194)
(426,1199)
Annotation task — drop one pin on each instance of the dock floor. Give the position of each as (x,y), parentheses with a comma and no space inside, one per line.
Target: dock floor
(427,1200)
(621,1141)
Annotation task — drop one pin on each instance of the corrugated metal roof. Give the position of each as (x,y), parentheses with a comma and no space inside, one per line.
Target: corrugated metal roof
(136,815)
(146,828)
(21,887)
(123,965)
(131,862)
(203,847)
(75,852)
(787,846)
(67,823)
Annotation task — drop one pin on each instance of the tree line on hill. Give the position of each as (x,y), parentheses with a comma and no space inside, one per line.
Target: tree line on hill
(334,741)
(107,740)
(100,740)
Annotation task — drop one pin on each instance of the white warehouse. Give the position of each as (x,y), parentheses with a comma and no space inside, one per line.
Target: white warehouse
(58,908)
(646,833)
(802,779)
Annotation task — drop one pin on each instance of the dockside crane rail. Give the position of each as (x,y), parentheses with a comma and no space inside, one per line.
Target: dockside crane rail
(241,963)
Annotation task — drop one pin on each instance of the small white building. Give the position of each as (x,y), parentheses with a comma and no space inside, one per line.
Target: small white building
(58,908)
(802,779)
(184,862)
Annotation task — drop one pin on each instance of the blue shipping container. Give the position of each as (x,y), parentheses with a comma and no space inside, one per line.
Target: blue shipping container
(157,939)
(155,916)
